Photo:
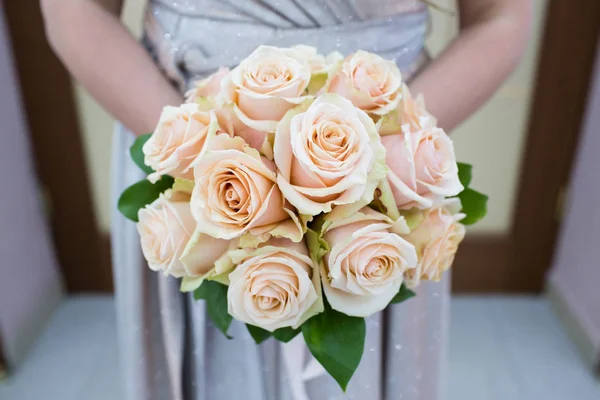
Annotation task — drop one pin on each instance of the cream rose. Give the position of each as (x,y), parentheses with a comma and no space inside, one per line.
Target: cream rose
(320,65)
(206,94)
(317,62)
(422,168)
(178,140)
(265,86)
(208,88)
(274,286)
(166,227)
(409,115)
(235,192)
(436,240)
(412,112)
(365,266)
(371,82)
(328,153)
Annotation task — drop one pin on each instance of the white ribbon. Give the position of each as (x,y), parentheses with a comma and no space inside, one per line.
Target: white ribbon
(294,353)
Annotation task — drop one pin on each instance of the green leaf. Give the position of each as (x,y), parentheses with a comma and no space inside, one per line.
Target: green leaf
(474,205)
(282,334)
(286,334)
(140,194)
(465,173)
(403,294)
(215,295)
(258,334)
(137,155)
(337,342)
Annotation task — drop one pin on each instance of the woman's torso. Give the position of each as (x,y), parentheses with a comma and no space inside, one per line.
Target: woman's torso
(192,38)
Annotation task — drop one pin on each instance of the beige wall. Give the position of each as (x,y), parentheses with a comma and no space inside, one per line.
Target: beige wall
(492,139)
(96,126)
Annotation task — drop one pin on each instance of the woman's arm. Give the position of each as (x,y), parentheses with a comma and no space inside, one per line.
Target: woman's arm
(493,35)
(102,55)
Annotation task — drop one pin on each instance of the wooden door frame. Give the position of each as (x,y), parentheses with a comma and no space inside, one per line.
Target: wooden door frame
(518,262)
(49,105)
(3,363)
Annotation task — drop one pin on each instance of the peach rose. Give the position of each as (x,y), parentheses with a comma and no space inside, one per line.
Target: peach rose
(206,93)
(328,153)
(166,227)
(436,240)
(208,88)
(412,112)
(235,192)
(274,286)
(366,263)
(320,65)
(410,115)
(371,82)
(422,168)
(178,140)
(263,88)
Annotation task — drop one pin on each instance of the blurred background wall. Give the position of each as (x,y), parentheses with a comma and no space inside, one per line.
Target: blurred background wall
(30,283)
(575,275)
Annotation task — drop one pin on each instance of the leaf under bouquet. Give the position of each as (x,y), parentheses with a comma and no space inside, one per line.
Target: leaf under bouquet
(301,193)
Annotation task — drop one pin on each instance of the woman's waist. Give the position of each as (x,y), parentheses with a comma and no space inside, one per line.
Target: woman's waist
(195,47)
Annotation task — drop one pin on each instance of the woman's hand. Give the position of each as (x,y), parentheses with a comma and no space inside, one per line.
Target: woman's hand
(493,36)
(110,63)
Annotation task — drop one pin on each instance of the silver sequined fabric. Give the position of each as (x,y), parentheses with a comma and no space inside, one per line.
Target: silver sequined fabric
(192,38)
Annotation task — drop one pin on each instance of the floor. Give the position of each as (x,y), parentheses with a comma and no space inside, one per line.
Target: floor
(501,349)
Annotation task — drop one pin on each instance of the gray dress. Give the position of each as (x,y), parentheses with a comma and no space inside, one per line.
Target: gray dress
(169,349)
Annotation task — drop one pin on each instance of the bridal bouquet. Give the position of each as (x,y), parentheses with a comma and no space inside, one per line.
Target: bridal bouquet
(300,193)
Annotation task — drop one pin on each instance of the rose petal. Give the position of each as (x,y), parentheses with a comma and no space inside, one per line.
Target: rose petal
(364,267)
(272,286)
(308,176)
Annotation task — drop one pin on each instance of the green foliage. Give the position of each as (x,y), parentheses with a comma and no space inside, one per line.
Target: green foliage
(137,155)
(286,334)
(403,294)
(465,174)
(258,334)
(215,294)
(282,334)
(474,205)
(140,194)
(337,341)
